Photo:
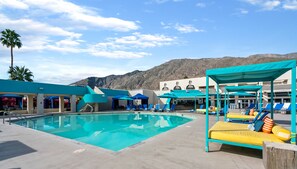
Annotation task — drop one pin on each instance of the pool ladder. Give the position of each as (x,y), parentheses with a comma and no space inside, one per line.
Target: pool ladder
(10,115)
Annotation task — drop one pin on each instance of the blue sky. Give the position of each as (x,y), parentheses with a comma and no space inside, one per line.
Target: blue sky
(65,41)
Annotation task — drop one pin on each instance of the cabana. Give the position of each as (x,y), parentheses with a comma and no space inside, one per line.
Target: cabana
(53,102)
(242,91)
(184,95)
(238,134)
(115,100)
(143,98)
(11,101)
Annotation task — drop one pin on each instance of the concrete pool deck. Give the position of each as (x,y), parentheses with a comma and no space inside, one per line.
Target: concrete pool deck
(182,147)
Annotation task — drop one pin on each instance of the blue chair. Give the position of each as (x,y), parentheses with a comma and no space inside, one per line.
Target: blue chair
(150,107)
(289,109)
(251,106)
(164,108)
(157,108)
(268,107)
(172,109)
(128,108)
(144,106)
(278,107)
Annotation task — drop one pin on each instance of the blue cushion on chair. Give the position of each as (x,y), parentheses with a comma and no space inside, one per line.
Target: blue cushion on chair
(258,125)
(263,115)
(247,112)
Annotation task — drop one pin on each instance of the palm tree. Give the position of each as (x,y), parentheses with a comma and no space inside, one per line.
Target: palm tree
(20,74)
(10,39)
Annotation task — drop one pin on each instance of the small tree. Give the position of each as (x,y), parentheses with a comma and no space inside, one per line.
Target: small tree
(10,38)
(20,74)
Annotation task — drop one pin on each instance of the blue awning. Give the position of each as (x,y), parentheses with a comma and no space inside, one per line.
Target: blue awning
(140,96)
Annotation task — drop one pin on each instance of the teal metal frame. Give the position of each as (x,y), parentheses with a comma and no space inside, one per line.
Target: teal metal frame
(236,144)
(275,69)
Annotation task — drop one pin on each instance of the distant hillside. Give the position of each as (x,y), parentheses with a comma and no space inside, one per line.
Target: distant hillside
(176,69)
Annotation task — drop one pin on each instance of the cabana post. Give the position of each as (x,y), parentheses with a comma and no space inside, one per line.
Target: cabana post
(206,117)
(260,100)
(271,99)
(225,106)
(293,106)
(218,102)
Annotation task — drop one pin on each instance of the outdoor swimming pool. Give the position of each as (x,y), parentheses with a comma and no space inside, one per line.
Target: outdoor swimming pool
(110,131)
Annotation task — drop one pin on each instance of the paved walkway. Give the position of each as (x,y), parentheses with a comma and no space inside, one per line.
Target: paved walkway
(182,147)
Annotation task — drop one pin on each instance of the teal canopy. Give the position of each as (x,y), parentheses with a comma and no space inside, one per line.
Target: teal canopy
(243,88)
(250,73)
(183,94)
(168,95)
(242,94)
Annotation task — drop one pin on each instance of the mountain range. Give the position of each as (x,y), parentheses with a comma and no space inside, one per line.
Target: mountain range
(176,69)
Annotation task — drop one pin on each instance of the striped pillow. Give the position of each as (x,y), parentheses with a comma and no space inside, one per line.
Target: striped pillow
(252,112)
(268,124)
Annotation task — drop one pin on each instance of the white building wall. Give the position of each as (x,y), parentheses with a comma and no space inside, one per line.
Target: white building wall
(201,82)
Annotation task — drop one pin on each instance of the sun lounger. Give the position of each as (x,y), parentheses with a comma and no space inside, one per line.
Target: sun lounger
(150,107)
(239,134)
(164,108)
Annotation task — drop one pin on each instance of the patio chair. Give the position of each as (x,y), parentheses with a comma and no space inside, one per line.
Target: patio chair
(172,109)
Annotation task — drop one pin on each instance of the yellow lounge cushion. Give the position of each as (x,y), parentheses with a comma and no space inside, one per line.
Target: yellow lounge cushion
(239,116)
(281,133)
(239,133)
(201,110)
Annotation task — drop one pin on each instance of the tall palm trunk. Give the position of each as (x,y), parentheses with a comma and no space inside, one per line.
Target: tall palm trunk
(11,59)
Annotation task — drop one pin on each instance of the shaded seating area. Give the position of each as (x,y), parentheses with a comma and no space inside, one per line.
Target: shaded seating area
(11,102)
(183,95)
(140,100)
(238,134)
(115,101)
(143,104)
(247,90)
(53,102)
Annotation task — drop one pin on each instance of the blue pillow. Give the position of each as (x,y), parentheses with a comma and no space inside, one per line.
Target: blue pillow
(263,115)
(247,112)
(258,125)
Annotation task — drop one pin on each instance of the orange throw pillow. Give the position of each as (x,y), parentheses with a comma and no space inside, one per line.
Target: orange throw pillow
(252,112)
(268,124)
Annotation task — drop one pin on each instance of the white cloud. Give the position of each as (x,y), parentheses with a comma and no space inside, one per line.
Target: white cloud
(138,40)
(128,46)
(201,5)
(182,28)
(118,54)
(67,72)
(290,5)
(243,11)
(13,4)
(163,1)
(79,14)
(273,4)
(187,28)
(34,27)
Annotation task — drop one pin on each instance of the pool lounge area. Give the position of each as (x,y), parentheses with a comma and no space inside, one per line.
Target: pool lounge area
(148,139)
(182,147)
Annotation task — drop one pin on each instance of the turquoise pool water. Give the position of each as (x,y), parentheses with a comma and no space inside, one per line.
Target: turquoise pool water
(110,131)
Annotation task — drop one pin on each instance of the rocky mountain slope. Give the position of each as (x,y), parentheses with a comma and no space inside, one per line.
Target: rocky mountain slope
(176,69)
